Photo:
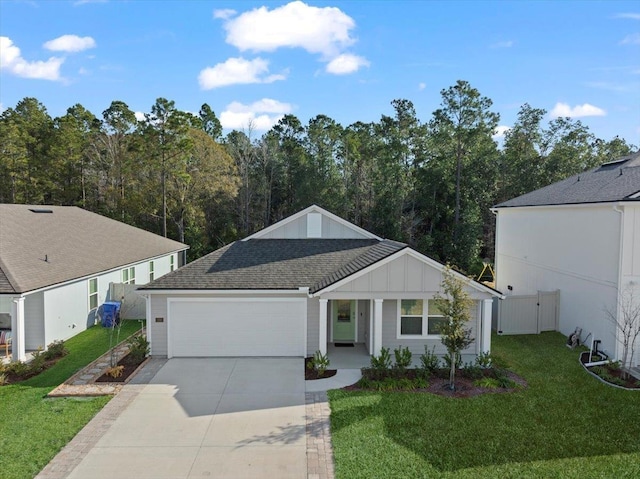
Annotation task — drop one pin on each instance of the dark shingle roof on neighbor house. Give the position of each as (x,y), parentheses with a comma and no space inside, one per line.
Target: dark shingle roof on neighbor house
(42,246)
(614,181)
(278,264)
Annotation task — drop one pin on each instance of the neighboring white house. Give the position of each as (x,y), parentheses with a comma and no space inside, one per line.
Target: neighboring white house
(580,236)
(308,281)
(56,263)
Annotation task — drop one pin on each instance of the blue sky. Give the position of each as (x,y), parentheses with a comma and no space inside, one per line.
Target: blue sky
(253,62)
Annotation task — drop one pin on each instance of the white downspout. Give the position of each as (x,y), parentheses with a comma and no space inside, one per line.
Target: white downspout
(617,209)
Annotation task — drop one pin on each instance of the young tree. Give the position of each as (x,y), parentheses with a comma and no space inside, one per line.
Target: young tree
(454,304)
(626,319)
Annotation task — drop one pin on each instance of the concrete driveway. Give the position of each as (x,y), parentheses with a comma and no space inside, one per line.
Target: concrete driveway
(208,417)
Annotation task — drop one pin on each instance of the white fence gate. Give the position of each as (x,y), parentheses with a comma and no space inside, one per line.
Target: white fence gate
(133,305)
(529,314)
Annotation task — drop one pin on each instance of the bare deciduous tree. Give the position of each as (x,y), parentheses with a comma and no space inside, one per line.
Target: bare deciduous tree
(626,319)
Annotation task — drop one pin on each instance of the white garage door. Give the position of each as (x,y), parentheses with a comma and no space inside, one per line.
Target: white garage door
(247,327)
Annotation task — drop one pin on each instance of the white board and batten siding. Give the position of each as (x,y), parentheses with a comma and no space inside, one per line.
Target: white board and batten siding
(406,277)
(314,225)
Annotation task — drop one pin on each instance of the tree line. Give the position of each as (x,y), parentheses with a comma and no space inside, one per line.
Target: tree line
(427,183)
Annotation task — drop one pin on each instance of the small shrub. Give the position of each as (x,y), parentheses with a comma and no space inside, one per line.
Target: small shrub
(319,363)
(403,358)
(115,371)
(382,362)
(405,384)
(421,383)
(138,347)
(617,381)
(429,362)
(614,365)
(484,360)
(18,368)
(503,380)
(365,383)
(3,379)
(55,350)
(489,383)
(472,371)
(37,363)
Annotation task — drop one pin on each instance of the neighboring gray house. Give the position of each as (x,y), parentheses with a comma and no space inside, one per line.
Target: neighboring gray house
(580,236)
(56,263)
(308,281)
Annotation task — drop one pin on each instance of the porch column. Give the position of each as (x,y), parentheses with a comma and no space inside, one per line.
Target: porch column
(322,336)
(487,310)
(147,300)
(17,330)
(370,345)
(377,327)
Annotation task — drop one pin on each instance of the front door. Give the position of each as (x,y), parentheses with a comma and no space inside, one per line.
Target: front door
(344,320)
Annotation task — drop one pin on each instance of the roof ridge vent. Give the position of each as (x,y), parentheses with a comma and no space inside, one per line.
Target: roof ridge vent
(40,210)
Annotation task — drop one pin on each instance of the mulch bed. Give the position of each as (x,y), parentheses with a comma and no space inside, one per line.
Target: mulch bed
(311,374)
(629,382)
(465,387)
(11,378)
(129,364)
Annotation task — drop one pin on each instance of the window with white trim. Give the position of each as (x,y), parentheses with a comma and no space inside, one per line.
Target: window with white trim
(129,275)
(151,271)
(414,321)
(93,293)
(172,265)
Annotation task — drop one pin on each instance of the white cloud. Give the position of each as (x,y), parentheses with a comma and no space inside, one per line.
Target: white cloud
(633,39)
(563,110)
(317,30)
(500,131)
(139,115)
(224,13)
(346,63)
(237,71)
(631,16)
(422,86)
(70,43)
(505,44)
(11,60)
(260,115)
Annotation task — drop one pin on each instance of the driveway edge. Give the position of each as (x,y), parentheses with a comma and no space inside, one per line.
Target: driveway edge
(319,450)
(72,454)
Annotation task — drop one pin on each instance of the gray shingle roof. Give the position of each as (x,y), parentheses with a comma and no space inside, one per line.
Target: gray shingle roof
(614,181)
(278,264)
(74,242)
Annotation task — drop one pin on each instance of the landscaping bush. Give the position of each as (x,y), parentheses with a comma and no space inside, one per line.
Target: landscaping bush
(472,371)
(380,365)
(138,347)
(319,363)
(484,360)
(55,350)
(429,362)
(403,359)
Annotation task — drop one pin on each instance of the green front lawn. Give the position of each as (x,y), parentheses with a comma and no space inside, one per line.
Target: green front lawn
(32,428)
(565,424)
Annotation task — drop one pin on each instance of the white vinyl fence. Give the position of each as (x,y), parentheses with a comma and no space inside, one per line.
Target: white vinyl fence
(529,314)
(133,306)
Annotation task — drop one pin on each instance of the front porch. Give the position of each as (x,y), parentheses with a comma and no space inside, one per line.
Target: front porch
(355,357)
